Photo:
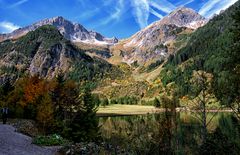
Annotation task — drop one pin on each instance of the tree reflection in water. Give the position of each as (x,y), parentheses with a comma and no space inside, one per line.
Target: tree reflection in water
(171,133)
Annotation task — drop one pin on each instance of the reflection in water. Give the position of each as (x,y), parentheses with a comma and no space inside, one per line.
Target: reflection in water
(171,133)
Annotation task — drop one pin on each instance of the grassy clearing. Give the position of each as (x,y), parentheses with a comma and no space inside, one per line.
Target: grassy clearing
(126,110)
(118,110)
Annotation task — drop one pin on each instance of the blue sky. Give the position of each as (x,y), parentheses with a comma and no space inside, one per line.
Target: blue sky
(120,18)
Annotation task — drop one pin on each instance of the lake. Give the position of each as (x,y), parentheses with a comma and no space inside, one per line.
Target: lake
(172,133)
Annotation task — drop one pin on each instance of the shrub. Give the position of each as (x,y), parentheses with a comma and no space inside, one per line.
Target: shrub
(51,140)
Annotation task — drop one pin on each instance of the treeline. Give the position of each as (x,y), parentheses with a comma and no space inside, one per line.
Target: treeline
(57,105)
(130,100)
(157,102)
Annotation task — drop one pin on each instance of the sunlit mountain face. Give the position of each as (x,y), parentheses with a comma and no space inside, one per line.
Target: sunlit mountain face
(119,77)
(119,18)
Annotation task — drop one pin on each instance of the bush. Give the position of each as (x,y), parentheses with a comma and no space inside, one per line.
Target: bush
(51,140)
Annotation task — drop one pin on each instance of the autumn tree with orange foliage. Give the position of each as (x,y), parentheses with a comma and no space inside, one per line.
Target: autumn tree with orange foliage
(35,89)
(56,105)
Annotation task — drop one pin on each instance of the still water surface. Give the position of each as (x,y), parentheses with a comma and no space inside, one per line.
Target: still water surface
(166,133)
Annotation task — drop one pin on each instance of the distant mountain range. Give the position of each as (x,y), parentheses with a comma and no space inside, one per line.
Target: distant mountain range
(71,31)
(140,66)
(36,49)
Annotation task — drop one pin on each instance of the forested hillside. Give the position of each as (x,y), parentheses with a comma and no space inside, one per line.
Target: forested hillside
(212,49)
(45,52)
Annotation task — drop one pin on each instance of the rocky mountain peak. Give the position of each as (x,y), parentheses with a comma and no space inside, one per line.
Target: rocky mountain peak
(183,10)
(71,31)
(57,18)
(184,17)
(152,41)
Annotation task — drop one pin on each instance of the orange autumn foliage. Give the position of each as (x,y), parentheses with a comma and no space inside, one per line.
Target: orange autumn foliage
(36,88)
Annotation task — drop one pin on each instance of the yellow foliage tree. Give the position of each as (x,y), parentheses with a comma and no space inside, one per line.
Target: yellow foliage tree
(45,112)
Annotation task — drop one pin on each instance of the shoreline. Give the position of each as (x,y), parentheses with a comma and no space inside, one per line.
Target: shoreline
(131,110)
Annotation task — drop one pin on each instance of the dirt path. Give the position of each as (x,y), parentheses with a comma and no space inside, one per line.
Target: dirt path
(13,143)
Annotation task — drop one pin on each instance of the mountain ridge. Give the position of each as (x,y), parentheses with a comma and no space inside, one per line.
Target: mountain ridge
(48,54)
(153,41)
(72,31)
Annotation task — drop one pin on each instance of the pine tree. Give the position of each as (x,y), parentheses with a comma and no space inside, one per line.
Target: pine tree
(84,126)
(57,96)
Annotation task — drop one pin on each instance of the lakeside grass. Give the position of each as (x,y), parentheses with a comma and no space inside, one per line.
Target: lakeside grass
(119,109)
(127,110)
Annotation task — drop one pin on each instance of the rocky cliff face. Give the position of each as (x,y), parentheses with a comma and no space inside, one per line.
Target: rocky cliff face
(155,41)
(71,31)
(47,55)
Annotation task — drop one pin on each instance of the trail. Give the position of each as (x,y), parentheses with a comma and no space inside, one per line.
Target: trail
(13,143)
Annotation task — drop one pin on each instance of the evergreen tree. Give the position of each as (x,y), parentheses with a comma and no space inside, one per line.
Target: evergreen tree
(84,126)
(57,96)
(5,89)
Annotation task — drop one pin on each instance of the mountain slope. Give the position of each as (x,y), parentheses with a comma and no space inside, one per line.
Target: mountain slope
(209,49)
(71,31)
(155,41)
(145,53)
(45,52)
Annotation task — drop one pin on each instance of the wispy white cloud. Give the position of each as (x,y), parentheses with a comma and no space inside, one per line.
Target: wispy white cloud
(142,9)
(155,13)
(223,5)
(7,27)
(215,6)
(114,16)
(88,14)
(208,6)
(183,3)
(141,12)
(162,5)
(226,4)
(20,2)
(107,2)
